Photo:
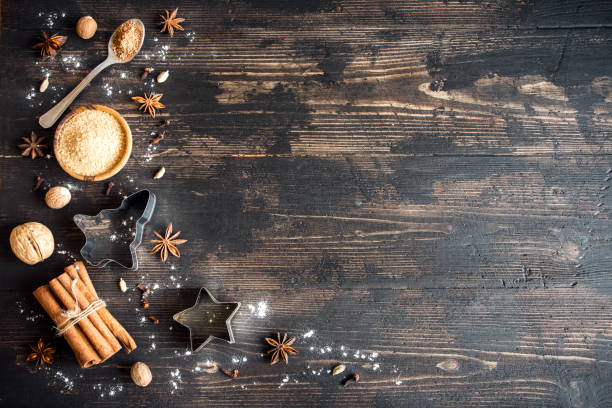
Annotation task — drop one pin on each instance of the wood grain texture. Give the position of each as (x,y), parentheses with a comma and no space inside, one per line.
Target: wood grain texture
(424,186)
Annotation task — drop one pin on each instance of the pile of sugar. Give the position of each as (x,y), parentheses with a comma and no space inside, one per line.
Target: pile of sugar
(91,143)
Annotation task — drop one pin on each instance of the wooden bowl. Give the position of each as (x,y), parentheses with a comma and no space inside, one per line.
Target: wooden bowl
(124,156)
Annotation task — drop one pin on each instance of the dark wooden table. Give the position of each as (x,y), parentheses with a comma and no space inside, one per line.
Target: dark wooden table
(416,189)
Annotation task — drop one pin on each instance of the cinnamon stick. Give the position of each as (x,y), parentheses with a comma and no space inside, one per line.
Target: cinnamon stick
(90,294)
(83,351)
(93,317)
(84,276)
(99,343)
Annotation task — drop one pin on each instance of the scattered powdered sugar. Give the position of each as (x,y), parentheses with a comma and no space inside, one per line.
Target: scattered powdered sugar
(59,379)
(314,371)
(68,255)
(190,35)
(260,310)
(151,149)
(308,334)
(107,88)
(33,97)
(175,380)
(65,380)
(239,359)
(284,381)
(185,353)
(50,19)
(152,346)
(108,390)
(70,62)
(158,52)
(31,315)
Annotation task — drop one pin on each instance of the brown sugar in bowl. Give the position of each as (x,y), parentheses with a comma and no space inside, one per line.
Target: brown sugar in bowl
(92,143)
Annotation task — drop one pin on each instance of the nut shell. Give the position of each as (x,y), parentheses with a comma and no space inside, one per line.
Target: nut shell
(141,374)
(57,197)
(86,27)
(32,242)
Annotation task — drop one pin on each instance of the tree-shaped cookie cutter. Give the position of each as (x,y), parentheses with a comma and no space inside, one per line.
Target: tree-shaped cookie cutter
(113,235)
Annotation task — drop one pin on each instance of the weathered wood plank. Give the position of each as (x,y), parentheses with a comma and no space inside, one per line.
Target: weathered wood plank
(411,91)
(385,222)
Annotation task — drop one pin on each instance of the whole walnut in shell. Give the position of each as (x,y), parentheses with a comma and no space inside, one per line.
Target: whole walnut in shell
(32,242)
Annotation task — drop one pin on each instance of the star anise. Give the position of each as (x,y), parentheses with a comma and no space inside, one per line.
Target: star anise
(281,349)
(50,44)
(148,103)
(170,22)
(41,354)
(167,243)
(32,146)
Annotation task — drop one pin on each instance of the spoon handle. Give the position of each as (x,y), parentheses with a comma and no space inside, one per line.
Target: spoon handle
(48,119)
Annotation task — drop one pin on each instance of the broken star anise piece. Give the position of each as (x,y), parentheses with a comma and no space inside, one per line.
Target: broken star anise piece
(41,354)
(50,44)
(281,348)
(171,22)
(167,243)
(32,146)
(148,103)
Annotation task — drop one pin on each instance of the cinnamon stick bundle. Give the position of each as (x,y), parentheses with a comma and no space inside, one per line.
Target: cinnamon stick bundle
(98,335)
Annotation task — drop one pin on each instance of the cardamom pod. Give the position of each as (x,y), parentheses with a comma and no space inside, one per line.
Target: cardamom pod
(44,84)
(162,76)
(160,173)
(338,369)
(122,285)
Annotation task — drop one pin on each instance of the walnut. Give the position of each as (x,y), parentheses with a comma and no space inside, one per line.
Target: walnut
(86,27)
(141,374)
(57,197)
(32,242)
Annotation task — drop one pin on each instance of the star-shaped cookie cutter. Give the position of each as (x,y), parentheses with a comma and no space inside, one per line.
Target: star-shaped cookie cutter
(108,232)
(207,319)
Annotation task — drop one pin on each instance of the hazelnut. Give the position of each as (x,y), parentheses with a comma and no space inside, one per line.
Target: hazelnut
(57,197)
(32,242)
(141,374)
(86,27)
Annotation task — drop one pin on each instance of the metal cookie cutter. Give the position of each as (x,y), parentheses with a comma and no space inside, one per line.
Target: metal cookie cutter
(114,234)
(207,319)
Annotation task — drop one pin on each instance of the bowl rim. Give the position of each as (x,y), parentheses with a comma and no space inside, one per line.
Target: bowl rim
(126,152)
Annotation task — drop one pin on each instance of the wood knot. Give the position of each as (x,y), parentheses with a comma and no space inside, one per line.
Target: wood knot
(449,365)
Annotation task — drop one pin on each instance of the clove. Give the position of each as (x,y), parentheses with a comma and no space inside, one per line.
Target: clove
(231,374)
(144,290)
(39,181)
(145,73)
(352,379)
(109,187)
(158,138)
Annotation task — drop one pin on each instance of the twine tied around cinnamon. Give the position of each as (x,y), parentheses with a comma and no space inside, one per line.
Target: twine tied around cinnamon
(74,316)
